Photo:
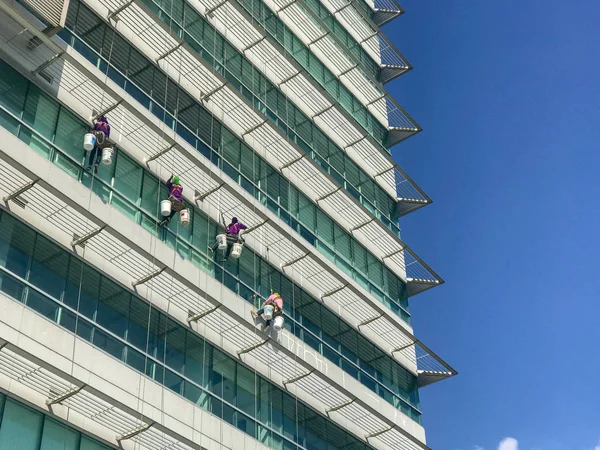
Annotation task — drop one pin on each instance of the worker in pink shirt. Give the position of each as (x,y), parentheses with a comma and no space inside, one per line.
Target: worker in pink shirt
(277,302)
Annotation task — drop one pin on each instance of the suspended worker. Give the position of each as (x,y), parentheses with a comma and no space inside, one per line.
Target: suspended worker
(102,132)
(232,231)
(175,196)
(276,302)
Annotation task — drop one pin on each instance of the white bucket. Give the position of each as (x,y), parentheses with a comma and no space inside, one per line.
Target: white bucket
(89,140)
(165,207)
(222,240)
(185,216)
(278,323)
(107,154)
(236,251)
(268,312)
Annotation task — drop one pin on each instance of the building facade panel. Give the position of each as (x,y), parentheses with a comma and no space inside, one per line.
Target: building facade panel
(131,332)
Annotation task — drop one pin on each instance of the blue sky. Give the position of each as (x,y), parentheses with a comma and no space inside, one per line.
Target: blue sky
(508,95)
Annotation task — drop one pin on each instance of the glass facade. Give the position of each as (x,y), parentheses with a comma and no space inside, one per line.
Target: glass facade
(367,10)
(350,44)
(136,192)
(69,292)
(197,126)
(275,27)
(265,96)
(24,428)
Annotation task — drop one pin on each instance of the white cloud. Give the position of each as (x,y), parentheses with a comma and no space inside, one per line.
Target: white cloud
(510,444)
(478,447)
(597,447)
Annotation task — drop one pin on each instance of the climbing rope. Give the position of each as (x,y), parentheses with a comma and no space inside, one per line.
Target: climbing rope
(87,223)
(91,189)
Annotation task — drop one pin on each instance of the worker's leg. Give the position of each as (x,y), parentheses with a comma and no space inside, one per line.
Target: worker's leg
(228,251)
(168,219)
(92,156)
(231,239)
(98,159)
(267,325)
(96,153)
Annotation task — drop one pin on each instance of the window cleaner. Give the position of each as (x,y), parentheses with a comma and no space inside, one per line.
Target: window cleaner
(231,241)
(98,144)
(271,311)
(174,203)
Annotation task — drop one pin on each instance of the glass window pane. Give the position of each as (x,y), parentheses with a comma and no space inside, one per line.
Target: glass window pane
(173,382)
(59,436)
(157,329)
(109,344)
(89,281)
(49,267)
(246,390)
(11,287)
(85,330)
(40,112)
(128,178)
(307,212)
(16,245)
(67,319)
(90,444)
(100,183)
(289,417)
(223,375)
(137,331)
(66,164)
(201,231)
(113,307)
(126,207)
(42,304)
(35,142)
(135,359)
(196,357)
(69,134)
(150,196)
(21,427)
(13,88)
(175,351)
(8,122)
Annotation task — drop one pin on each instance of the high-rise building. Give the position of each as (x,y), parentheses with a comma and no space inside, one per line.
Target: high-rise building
(118,330)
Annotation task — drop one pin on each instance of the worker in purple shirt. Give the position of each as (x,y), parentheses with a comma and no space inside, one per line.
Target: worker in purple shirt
(233,235)
(102,132)
(175,196)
